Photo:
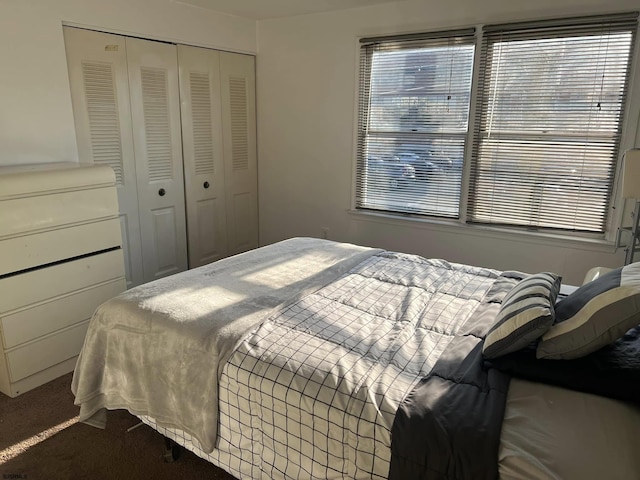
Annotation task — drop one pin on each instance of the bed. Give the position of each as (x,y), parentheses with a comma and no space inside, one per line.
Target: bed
(317,359)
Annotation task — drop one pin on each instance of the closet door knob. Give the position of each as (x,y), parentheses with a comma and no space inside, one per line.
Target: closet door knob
(161,192)
(205,184)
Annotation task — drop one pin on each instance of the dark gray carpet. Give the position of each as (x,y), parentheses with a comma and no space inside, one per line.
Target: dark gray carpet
(41,440)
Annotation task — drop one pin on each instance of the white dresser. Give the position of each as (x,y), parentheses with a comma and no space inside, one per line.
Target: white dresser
(60,257)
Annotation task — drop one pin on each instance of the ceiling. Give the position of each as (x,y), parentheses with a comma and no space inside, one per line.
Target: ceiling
(266,9)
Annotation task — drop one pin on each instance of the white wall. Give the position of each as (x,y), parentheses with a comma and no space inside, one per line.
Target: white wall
(36,119)
(306,109)
(306,77)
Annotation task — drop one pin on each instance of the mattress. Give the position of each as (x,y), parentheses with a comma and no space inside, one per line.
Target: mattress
(554,433)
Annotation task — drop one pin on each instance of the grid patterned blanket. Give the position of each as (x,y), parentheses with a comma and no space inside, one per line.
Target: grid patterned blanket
(158,349)
(313,390)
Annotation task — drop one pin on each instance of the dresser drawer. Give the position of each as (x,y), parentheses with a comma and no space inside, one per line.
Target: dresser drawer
(29,323)
(40,285)
(45,352)
(46,178)
(30,214)
(40,249)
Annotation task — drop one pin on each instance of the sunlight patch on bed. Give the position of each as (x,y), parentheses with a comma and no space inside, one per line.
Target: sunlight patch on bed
(285,273)
(202,300)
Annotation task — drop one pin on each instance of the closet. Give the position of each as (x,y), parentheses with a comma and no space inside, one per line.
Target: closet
(176,123)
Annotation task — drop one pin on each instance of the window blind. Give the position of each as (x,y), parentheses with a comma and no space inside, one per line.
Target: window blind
(549,111)
(413,122)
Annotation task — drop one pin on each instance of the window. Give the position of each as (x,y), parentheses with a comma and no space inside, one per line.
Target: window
(549,109)
(414,110)
(550,100)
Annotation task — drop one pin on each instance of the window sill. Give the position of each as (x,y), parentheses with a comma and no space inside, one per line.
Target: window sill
(575,241)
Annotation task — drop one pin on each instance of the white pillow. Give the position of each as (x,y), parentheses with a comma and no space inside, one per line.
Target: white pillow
(595,315)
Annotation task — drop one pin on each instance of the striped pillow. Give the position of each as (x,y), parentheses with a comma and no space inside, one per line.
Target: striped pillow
(595,315)
(525,314)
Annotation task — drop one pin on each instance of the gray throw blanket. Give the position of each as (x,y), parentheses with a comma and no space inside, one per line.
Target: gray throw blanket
(158,349)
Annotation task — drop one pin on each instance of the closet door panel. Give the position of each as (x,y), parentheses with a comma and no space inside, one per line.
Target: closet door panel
(237,73)
(97,64)
(211,231)
(164,225)
(202,149)
(155,111)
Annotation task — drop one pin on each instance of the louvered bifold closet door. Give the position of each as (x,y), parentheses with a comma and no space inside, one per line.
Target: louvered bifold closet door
(97,65)
(237,73)
(202,151)
(155,110)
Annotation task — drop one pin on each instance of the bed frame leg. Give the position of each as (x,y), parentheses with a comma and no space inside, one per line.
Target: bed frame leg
(172,450)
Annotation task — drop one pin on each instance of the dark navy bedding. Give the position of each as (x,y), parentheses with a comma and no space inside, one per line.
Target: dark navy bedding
(613,371)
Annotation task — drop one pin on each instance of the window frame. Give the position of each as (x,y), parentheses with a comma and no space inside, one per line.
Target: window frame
(463,36)
(630,122)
